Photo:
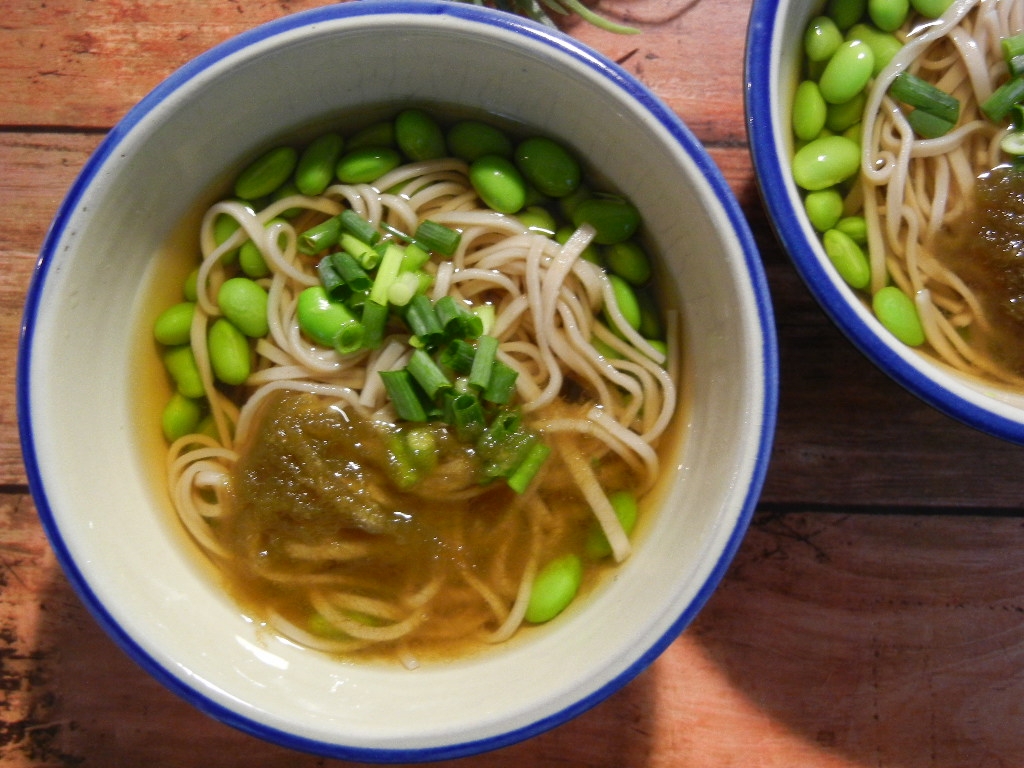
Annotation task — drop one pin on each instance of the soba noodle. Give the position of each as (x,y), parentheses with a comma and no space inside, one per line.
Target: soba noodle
(603,413)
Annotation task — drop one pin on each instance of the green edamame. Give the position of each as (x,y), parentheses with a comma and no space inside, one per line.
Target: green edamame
(173,326)
(548,166)
(613,218)
(825,162)
(498,183)
(931,8)
(884,45)
(180,416)
(379,134)
(824,208)
(419,135)
(809,111)
(315,170)
(626,510)
(846,13)
(847,72)
(244,303)
(251,261)
(590,253)
(896,311)
(472,139)
(854,227)
(848,258)
(229,352)
(180,363)
(626,301)
(320,318)
(266,173)
(361,166)
(554,587)
(629,261)
(190,288)
(888,15)
(224,227)
(821,38)
(841,117)
(538,219)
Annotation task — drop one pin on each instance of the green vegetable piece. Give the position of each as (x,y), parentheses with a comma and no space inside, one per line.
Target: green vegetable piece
(840,117)
(317,162)
(225,226)
(612,218)
(847,72)
(896,311)
(229,352)
(626,510)
(266,173)
(419,136)
(824,208)
(244,303)
(848,258)
(190,288)
(548,166)
(809,111)
(821,38)
(173,326)
(931,8)
(554,587)
(251,261)
(888,15)
(180,362)
(846,13)
(180,416)
(825,162)
(626,301)
(884,45)
(320,318)
(1013,143)
(854,227)
(1001,102)
(538,219)
(498,183)
(629,261)
(928,126)
(361,166)
(916,92)
(376,135)
(472,139)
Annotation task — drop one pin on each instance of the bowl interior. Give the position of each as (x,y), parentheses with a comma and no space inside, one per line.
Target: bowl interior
(774,45)
(90,460)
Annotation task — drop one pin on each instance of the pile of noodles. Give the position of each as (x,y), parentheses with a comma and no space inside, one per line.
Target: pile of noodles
(913,187)
(547,303)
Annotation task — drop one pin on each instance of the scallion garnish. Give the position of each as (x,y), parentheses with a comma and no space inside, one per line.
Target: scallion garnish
(387,273)
(458,356)
(997,106)
(467,417)
(367,256)
(928,126)
(483,361)
(375,318)
(920,94)
(428,374)
(523,475)
(422,320)
(502,384)
(320,237)
(400,386)
(333,283)
(355,225)
(437,237)
(351,271)
(457,320)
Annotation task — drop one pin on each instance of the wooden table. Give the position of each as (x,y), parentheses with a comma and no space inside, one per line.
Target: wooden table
(873,616)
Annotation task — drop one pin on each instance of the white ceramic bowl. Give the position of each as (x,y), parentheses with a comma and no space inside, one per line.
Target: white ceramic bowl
(774,45)
(89,462)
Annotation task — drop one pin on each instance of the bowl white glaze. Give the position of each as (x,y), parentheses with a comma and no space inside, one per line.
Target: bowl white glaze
(774,45)
(84,448)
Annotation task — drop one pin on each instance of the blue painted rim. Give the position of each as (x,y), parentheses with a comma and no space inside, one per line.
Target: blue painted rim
(785,217)
(559,43)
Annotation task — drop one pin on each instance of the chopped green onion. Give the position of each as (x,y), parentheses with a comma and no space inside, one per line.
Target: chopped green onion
(523,475)
(355,225)
(467,417)
(437,237)
(1013,143)
(483,361)
(351,271)
(375,317)
(415,257)
(350,337)
(922,95)
(387,273)
(316,239)
(422,320)
(402,466)
(927,125)
(428,374)
(333,283)
(367,256)
(487,316)
(502,383)
(998,105)
(457,320)
(458,356)
(405,286)
(400,386)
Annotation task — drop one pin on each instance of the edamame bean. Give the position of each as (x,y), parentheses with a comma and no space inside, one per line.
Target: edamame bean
(825,162)
(190,288)
(180,416)
(419,136)
(361,166)
(567,204)
(174,325)
(229,352)
(471,139)
(379,134)
(650,317)
(884,45)
(848,258)
(316,166)
(320,318)
(225,226)
(821,39)
(626,301)
(854,227)
(538,219)
(266,173)
(840,117)
(244,303)
(847,72)
(629,261)
(896,311)
(590,253)
(625,506)
(251,261)
(554,587)
(846,13)
(287,190)
(888,15)
(931,8)
(548,166)
(180,362)
(498,183)
(809,111)
(612,218)
(824,208)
